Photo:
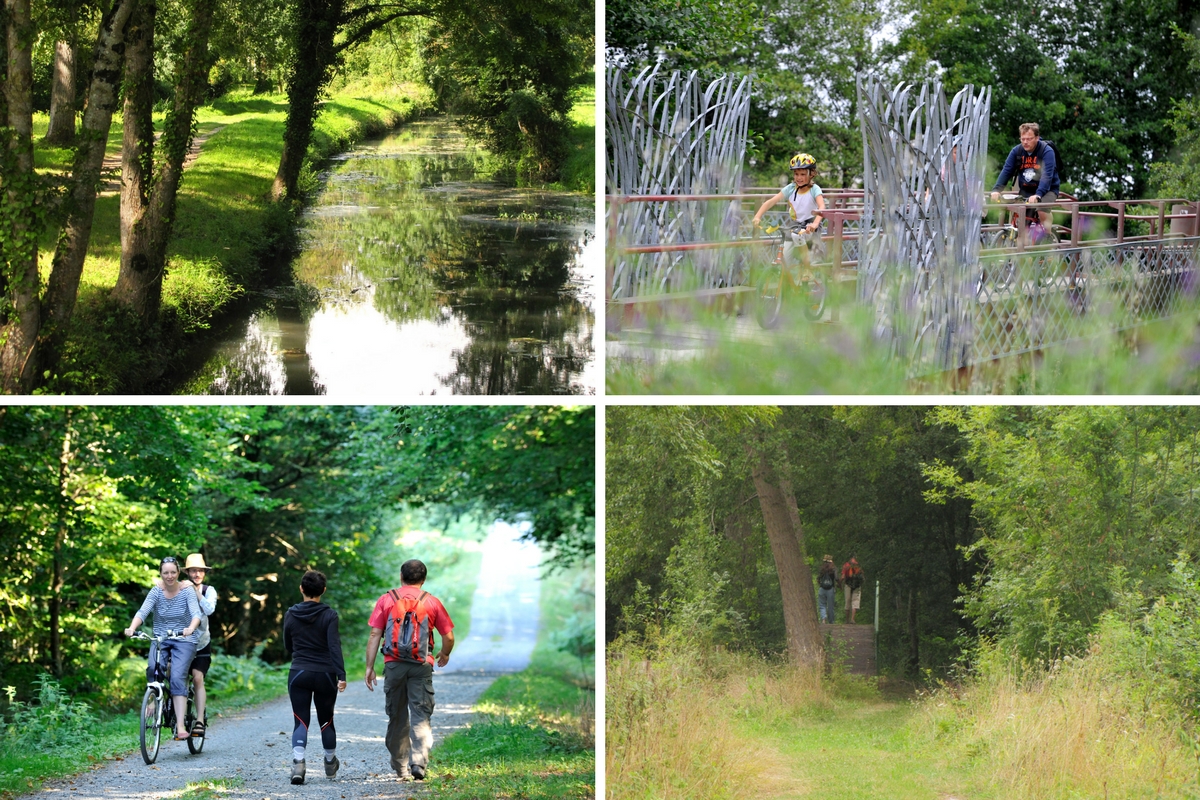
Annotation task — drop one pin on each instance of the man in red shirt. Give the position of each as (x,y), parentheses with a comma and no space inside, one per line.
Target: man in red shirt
(408,681)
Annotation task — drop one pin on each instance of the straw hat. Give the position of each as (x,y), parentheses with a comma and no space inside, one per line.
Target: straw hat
(196,561)
(829,558)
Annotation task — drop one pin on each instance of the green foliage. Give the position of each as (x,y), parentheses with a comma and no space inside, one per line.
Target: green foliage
(523,464)
(688,35)
(1180,176)
(508,67)
(230,676)
(1154,645)
(1063,495)
(55,724)
(1098,77)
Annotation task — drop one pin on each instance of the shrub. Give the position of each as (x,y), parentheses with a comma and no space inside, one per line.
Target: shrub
(53,724)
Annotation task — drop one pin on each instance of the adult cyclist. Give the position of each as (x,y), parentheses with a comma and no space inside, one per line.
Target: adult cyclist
(805,204)
(1035,166)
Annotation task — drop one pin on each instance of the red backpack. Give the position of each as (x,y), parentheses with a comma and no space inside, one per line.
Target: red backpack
(409,631)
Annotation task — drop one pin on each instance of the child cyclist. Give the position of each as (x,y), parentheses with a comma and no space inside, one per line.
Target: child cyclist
(805,204)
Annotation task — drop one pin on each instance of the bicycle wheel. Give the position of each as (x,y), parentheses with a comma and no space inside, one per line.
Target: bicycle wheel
(769,307)
(151,726)
(816,293)
(195,743)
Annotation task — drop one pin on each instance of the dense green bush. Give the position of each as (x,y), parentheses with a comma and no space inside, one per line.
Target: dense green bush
(52,724)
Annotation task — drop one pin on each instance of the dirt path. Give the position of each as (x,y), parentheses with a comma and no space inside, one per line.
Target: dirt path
(110,170)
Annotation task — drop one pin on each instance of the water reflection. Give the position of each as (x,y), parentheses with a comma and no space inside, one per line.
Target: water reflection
(417,278)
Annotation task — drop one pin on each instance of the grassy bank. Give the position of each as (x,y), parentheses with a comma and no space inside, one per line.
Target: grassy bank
(227,233)
(579,173)
(536,735)
(686,724)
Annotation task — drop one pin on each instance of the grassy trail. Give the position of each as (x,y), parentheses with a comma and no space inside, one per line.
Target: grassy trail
(861,749)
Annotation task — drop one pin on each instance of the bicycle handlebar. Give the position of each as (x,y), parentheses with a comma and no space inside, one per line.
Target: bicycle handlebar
(171,634)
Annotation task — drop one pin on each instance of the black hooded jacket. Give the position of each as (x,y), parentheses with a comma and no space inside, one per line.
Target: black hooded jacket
(310,636)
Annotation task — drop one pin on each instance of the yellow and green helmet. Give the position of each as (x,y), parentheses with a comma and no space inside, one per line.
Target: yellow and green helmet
(802,161)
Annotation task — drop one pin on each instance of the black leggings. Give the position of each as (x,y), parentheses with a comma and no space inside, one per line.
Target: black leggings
(307,689)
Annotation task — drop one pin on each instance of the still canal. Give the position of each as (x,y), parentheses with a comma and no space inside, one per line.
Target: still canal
(422,275)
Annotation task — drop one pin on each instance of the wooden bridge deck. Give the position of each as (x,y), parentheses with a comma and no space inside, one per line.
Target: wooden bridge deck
(852,645)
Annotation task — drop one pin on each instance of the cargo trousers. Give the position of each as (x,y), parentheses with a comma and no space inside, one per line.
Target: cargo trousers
(408,700)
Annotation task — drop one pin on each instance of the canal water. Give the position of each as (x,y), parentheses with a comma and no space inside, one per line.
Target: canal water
(419,275)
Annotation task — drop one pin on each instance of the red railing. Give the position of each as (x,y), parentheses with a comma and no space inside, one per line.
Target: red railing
(845,204)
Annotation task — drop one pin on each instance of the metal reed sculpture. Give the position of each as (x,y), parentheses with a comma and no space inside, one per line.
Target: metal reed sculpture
(923,165)
(674,134)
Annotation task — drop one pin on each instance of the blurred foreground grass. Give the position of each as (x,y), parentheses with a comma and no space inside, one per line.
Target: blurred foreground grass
(721,353)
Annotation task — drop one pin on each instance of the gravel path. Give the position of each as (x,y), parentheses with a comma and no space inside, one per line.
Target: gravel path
(255,745)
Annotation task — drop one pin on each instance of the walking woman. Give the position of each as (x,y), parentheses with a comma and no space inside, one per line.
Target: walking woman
(173,607)
(310,635)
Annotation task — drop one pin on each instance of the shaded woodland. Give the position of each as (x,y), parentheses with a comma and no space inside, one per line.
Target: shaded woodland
(1020,528)
(94,497)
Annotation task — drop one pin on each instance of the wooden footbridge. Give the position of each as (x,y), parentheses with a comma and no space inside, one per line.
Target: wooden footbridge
(1115,264)
(850,646)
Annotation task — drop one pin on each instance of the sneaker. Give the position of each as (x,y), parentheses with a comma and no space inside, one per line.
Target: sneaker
(418,772)
(404,776)
(297,773)
(331,767)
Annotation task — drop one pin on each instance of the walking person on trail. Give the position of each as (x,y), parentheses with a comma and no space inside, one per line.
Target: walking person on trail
(173,607)
(404,620)
(318,673)
(206,596)
(852,580)
(827,580)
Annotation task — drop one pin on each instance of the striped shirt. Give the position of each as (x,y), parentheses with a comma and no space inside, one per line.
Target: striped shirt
(173,613)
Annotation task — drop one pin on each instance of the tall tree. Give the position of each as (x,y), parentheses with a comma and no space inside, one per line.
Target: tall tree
(21,211)
(317,53)
(148,197)
(58,305)
(62,95)
(786,534)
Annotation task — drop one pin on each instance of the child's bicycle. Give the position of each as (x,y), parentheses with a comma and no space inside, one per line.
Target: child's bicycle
(157,710)
(811,281)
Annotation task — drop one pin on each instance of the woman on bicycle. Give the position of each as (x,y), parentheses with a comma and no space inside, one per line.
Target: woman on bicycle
(173,606)
(805,204)
(318,673)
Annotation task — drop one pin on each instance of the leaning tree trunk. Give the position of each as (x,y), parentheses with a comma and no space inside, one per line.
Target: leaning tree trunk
(317,24)
(62,96)
(63,289)
(19,234)
(795,579)
(148,212)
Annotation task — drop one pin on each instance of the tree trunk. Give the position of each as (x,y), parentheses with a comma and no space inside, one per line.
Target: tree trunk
(60,536)
(63,289)
(317,23)
(148,213)
(795,579)
(914,639)
(18,241)
(137,159)
(62,96)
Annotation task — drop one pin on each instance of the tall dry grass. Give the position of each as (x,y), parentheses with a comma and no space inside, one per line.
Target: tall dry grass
(675,722)
(1077,731)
